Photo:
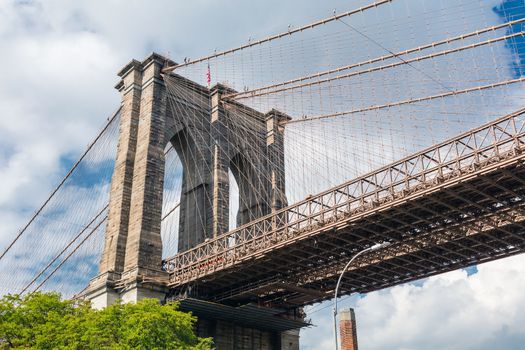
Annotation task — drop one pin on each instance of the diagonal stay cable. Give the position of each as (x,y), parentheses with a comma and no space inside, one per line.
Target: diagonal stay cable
(64,250)
(409,101)
(388,66)
(70,254)
(57,188)
(367,37)
(170,211)
(280,35)
(448,40)
(75,238)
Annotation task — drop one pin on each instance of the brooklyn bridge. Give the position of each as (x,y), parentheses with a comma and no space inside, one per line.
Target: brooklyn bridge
(240,183)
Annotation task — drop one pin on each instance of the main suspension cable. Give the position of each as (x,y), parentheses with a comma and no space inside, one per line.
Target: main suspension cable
(250,94)
(70,172)
(415,100)
(278,36)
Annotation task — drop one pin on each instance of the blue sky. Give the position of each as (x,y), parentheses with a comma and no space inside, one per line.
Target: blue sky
(58,70)
(511,10)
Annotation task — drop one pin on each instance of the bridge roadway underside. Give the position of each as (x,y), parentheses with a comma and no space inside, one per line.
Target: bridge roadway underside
(474,219)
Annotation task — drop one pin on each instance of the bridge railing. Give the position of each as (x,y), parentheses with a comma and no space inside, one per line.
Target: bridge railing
(422,170)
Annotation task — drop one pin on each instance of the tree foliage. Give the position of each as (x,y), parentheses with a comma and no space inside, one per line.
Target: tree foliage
(44,321)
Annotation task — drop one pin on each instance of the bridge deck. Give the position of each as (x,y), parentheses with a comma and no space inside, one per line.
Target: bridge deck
(456,204)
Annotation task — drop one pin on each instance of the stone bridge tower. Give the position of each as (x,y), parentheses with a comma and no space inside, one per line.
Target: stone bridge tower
(150,118)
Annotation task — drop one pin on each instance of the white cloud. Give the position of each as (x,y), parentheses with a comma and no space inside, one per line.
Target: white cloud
(453,311)
(50,100)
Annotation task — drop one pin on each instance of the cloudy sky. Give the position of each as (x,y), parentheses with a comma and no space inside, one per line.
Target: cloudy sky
(58,69)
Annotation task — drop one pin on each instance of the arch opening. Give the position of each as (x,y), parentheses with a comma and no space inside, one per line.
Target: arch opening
(183,207)
(252,200)
(169,229)
(233,205)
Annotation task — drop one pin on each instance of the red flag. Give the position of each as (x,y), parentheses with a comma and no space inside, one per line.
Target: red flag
(208,76)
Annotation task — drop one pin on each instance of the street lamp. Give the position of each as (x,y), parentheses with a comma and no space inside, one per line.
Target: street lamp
(369,249)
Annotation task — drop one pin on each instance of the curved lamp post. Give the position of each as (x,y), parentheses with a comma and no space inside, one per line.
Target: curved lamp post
(369,249)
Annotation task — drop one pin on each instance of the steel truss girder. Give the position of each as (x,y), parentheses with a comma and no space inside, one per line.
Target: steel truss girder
(449,206)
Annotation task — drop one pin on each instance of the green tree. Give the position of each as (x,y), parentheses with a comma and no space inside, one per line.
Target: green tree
(44,321)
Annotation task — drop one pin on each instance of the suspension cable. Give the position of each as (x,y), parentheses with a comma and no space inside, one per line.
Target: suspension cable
(415,100)
(245,95)
(381,58)
(70,254)
(91,145)
(280,35)
(64,249)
